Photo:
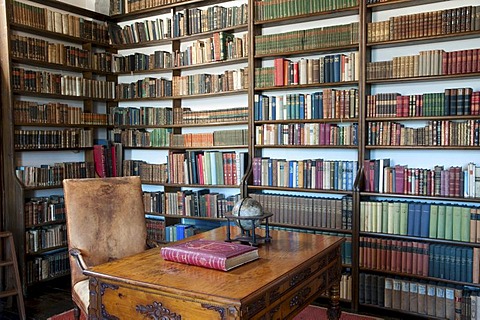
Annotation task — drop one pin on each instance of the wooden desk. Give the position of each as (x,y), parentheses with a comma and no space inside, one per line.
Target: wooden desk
(293,270)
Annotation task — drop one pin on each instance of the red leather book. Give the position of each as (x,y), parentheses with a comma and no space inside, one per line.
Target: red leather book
(211,254)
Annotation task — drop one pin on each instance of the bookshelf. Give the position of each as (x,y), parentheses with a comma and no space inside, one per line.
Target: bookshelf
(417,244)
(54,109)
(200,71)
(305,63)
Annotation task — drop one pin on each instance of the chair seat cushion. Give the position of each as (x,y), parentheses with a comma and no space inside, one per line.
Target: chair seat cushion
(82,293)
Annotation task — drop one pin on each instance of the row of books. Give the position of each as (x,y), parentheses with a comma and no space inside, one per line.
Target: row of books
(275,9)
(317,174)
(203,83)
(189,116)
(183,23)
(425,24)
(307,134)
(152,116)
(47,266)
(136,116)
(238,137)
(148,87)
(158,137)
(39,210)
(430,260)
(55,21)
(390,255)
(454,181)
(52,83)
(207,167)
(46,238)
(179,231)
(54,113)
(326,69)
(451,102)
(426,63)
(107,157)
(52,139)
(418,219)
(52,175)
(189,203)
(434,299)
(155,229)
(127,6)
(434,133)
(221,46)
(310,39)
(325,104)
(148,172)
(334,213)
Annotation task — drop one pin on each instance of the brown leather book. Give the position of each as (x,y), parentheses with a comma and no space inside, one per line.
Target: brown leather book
(413,304)
(388,292)
(449,303)
(422,298)
(431,299)
(397,294)
(440,302)
(405,295)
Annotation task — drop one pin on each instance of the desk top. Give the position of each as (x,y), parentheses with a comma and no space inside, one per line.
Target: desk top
(287,253)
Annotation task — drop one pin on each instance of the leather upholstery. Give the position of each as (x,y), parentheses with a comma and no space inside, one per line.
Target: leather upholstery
(105,221)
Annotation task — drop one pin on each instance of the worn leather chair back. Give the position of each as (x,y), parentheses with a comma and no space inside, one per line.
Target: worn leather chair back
(105,221)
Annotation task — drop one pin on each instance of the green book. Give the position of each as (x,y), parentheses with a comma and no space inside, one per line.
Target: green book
(390,218)
(396,218)
(441,222)
(403,218)
(449,223)
(362,215)
(457,223)
(385,217)
(465,224)
(433,221)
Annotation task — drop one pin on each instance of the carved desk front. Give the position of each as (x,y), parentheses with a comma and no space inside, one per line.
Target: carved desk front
(293,270)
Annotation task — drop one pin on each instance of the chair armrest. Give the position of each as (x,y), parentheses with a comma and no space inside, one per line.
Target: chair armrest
(78,257)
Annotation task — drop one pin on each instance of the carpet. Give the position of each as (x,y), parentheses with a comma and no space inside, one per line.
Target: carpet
(309,313)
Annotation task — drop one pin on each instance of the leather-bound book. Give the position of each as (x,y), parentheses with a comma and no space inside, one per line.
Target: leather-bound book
(212,254)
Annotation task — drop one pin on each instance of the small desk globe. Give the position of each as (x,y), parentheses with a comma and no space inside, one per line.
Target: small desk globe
(247,207)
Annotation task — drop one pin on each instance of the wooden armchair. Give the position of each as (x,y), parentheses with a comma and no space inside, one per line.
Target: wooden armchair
(105,221)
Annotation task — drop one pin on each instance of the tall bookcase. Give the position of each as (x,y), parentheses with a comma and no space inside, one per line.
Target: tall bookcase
(304,116)
(418,245)
(54,108)
(197,51)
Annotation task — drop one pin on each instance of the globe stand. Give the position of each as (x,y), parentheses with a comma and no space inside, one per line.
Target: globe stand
(249,236)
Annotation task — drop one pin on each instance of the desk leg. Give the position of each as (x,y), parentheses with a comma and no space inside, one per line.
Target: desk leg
(334,310)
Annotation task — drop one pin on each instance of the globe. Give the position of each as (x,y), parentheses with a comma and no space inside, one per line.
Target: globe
(247,207)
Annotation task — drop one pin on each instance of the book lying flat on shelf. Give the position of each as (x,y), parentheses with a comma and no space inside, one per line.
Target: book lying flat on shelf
(212,254)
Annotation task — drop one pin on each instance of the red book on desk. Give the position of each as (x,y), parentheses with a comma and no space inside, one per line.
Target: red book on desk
(212,254)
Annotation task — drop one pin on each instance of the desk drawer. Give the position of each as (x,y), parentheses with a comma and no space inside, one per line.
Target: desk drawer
(126,302)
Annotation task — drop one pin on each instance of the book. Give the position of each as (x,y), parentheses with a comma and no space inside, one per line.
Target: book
(211,254)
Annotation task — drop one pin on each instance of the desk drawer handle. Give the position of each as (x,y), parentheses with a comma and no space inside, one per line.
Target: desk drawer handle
(156,311)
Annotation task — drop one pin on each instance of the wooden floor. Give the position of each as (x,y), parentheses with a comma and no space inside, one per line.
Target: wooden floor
(42,301)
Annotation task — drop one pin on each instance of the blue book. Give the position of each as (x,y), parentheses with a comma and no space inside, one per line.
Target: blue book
(442,260)
(431,260)
(410,219)
(425,220)
(291,168)
(273,103)
(417,214)
(337,60)
(458,264)
(469,263)
(320,106)
(301,106)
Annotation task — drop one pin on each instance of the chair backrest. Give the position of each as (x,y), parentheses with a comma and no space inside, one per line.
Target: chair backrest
(105,220)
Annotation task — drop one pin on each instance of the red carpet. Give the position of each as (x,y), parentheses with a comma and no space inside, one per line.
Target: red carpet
(310,313)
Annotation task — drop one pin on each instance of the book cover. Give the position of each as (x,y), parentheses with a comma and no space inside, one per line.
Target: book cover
(211,254)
